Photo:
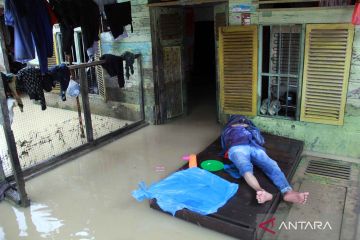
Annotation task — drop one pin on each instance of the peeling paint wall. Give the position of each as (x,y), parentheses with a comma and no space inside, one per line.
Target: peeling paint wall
(338,140)
(137,42)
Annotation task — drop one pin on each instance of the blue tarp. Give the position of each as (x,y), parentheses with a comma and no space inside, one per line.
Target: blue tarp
(195,189)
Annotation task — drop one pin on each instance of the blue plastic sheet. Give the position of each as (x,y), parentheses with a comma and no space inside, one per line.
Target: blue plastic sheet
(194,188)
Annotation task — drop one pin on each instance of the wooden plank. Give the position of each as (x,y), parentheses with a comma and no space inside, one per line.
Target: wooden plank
(317,15)
(86,105)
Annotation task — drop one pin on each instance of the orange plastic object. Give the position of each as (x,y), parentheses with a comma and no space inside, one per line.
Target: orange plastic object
(192,160)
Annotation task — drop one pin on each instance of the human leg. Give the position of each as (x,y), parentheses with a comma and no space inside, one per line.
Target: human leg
(240,156)
(272,170)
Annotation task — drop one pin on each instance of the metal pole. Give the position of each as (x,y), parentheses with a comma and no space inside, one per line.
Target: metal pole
(86,104)
(11,144)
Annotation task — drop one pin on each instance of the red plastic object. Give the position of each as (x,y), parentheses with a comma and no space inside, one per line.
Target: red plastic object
(356,15)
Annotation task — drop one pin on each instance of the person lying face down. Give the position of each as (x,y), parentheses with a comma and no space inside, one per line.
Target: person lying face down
(243,142)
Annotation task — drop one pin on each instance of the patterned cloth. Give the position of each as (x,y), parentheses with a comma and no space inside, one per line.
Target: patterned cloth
(30,78)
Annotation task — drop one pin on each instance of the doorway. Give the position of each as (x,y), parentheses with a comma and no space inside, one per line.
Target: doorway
(200,52)
(184,59)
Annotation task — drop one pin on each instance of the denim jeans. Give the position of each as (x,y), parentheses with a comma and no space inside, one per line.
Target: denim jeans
(245,156)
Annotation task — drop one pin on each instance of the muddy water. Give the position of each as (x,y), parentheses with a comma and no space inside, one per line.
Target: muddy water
(90,197)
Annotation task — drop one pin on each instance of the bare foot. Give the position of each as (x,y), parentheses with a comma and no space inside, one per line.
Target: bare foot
(263,196)
(296,197)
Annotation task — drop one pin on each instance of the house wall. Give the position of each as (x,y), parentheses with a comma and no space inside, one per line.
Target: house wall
(328,139)
(137,42)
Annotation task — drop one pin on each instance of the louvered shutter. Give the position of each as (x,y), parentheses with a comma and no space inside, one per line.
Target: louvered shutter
(238,59)
(326,72)
(99,74)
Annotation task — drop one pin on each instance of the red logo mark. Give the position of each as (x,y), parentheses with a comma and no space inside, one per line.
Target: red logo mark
(270,221)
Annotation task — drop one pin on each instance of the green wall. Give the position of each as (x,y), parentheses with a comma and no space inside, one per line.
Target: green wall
(338,140)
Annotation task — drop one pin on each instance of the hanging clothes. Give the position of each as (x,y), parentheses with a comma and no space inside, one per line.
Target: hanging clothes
(61,74)
(15,16)
(53,18)
(9,81)
(118,16)
(79,13)
(32,29)
(129,63)
(30,78)
(114,67)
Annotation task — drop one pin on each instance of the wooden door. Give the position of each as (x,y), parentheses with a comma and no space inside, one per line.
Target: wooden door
(167,37)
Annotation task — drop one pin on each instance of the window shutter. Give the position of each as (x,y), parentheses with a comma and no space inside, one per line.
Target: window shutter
(99,74)
(326,72)
(52,61)
(238,59)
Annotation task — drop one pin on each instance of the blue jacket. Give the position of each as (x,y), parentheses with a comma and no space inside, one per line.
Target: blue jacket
(239,135)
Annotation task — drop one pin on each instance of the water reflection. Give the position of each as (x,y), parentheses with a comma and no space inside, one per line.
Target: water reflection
(83,235)
(43,221)
(2,234)
(41,218)
(20,218)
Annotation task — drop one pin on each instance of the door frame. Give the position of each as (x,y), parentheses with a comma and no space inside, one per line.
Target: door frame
(160,111)
(160,114)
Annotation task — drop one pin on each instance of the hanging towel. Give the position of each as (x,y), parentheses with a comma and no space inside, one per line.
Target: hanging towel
(118,16)
(114,67)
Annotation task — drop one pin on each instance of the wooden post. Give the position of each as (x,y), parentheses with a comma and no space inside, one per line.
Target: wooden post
(11,144)
(86,105)
(72,73)
(141,88)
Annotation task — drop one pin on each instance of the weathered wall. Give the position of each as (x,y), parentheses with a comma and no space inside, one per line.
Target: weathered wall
(338,140)
(137,42)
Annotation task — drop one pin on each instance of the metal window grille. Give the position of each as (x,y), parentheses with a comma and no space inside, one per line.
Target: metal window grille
(280,74)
